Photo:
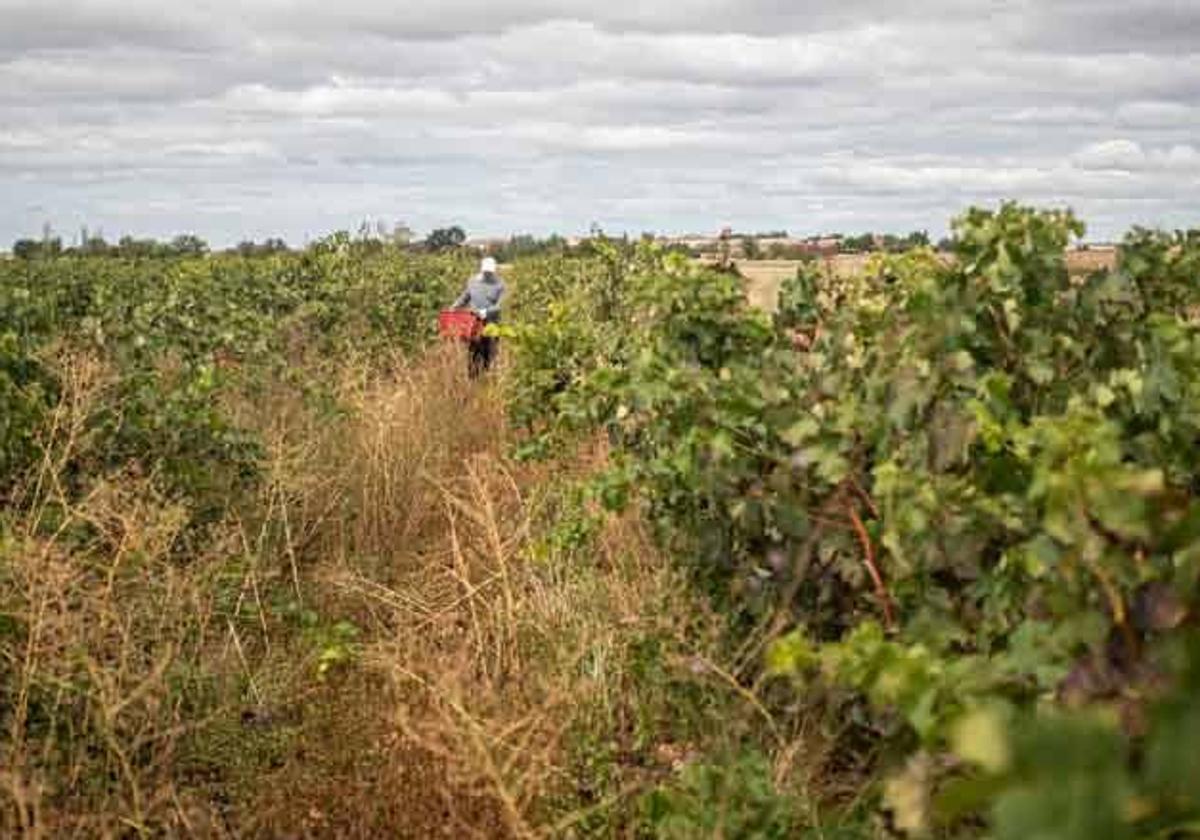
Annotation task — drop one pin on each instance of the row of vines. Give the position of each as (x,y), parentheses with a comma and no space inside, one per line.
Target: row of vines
(949,504)
(149,410)
(953,501)
(181,332)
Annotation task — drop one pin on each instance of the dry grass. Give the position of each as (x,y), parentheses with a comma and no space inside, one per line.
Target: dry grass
(499,683)
(492,662)
(91,715)
(765,277)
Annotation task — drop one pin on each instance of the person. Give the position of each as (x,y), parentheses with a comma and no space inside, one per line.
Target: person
(482,296)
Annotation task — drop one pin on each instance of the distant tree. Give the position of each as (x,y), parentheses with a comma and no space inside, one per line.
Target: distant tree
(249,248)
(131,248)
(446,239)
(900,244)
(27,249)
(189,245)
(751,250)
(859,244)
(527,245)
(94,246)
(763,234)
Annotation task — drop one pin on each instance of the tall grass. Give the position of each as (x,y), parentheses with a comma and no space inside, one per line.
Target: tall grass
(399,632)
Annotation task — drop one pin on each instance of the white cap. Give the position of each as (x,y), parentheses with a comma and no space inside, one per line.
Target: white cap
(488,266)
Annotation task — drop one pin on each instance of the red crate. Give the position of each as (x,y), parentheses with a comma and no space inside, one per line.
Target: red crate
(459,323)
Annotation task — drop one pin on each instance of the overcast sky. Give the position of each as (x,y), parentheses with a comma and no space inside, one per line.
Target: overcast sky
(252,118)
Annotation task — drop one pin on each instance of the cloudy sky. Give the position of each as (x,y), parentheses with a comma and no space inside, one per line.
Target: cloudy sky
(251,118)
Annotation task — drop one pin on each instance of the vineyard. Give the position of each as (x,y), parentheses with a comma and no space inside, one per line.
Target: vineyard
(914,554)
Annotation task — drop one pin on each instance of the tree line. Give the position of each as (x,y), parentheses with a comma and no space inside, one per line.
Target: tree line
(442,240)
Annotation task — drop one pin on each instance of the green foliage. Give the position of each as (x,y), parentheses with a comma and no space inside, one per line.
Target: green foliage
(1075,776)
(334,643)
(563,326)
(181,335)
(524,246)
(888,242)
(28,249)
(975,484)
(445,239)
(968,495)
(798,304)
(734,798)
(25,391)
(568,523)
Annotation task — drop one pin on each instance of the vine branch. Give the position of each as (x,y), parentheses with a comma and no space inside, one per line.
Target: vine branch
(881,590)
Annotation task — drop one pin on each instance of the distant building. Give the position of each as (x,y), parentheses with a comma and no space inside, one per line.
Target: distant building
(773,246)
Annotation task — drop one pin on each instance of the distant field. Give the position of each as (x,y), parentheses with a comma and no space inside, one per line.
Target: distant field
(766,276)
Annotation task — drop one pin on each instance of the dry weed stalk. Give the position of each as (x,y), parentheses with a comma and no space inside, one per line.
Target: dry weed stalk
(93,720)
(478,669)
(494,661)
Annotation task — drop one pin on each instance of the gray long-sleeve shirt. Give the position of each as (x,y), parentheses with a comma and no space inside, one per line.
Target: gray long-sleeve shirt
(483,292)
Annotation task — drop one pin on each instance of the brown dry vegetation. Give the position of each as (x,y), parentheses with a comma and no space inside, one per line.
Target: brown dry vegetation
(766,276)
(402,634)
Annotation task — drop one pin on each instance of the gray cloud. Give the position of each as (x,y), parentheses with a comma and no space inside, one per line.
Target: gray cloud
(294,117)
